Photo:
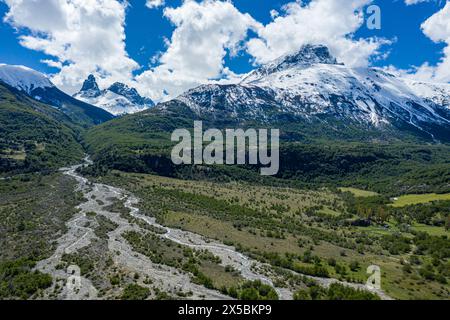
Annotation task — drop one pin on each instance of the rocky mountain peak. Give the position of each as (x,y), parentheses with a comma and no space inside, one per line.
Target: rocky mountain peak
(307,55)
(117,99)
(90,87)
(124,90)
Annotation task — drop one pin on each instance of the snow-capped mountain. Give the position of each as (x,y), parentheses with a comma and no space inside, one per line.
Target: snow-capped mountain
(39,87)
(438,93)
(311,85)
(23,78)
(118,99)
(90,88)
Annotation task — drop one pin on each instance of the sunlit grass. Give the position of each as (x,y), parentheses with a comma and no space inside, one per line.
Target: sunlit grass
(411,199)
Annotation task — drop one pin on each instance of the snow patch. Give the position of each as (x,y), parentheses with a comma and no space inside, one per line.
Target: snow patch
(23,78)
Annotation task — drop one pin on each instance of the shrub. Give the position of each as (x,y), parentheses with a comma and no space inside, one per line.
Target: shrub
(135,292)
(17,280)
(256,290)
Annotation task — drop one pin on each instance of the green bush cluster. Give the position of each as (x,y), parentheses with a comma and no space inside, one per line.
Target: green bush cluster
(19,281)
(336,291)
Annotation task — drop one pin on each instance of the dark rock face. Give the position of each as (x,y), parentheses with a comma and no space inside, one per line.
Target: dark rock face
(130,93)
(118,99)
(305,56)
(90,87)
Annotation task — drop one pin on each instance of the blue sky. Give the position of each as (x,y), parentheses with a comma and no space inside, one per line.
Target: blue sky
(147,32)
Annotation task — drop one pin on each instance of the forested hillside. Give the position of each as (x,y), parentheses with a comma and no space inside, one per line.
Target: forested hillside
(308,155)
(34,136)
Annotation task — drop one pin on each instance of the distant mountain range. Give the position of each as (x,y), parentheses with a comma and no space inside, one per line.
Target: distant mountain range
(39,87)
(336,122)
(118,99)
(35,136)
(311,87)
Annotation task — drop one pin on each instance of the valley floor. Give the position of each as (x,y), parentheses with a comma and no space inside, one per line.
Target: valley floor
(137,236)
(81,234)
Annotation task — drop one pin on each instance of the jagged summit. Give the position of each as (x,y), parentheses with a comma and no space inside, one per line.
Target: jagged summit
(118,99)
(129,93)
(121,88)
(307,55)
(90,87)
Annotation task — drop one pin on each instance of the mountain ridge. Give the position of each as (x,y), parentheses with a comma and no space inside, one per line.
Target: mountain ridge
(37,86)
(338,125)
(23,78)
(35,136)
(117,99)
(306,56)
(311,85)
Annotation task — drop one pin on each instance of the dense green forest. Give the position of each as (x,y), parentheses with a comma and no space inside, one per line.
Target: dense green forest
(310,155)
(389,167)
(35,136)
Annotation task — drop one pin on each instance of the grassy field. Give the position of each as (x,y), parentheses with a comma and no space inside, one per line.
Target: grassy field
(301,230)
(13,154)
(274,199)
(411,199)
(391,228)
(432,230)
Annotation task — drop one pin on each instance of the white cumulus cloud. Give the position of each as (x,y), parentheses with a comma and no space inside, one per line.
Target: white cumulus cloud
(88,36)
(437,28)
(154,3)
(329,22)
(411,2)
(205,32)
(83,36)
